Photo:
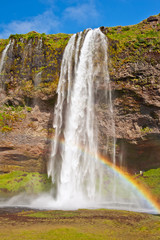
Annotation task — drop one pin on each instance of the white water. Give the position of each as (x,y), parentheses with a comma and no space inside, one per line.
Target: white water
(39,50)
(73,166)
(3,58)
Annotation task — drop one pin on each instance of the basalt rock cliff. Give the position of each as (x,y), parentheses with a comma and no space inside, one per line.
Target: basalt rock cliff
(29,77)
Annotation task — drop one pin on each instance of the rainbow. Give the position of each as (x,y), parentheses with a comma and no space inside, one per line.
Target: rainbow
(127,177)
(144,192)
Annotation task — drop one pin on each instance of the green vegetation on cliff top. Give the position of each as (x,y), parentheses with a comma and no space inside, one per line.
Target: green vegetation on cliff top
(3,43)
(133,43)
(55,41)
(143,33)
(136,33)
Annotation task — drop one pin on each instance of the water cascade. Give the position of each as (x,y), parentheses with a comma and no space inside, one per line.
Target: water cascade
(3,59)
(38,52)
(74,172)
(2,62)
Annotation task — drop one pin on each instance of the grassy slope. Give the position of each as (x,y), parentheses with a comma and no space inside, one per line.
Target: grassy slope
(151,179)
(53,40)
(17,181)
(133,43)
(138,34)
(81,224)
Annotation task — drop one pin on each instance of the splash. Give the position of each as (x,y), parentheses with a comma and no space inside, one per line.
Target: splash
(131,194)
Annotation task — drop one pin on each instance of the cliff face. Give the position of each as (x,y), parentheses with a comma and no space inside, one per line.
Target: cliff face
(135,74)
(31,66)
(29,79)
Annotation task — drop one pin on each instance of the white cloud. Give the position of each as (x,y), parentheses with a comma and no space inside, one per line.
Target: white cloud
(83,13)
(45,22)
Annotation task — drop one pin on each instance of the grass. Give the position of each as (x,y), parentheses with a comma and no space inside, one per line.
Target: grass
(100,224)
(17,181)
(151,179)
(81,224)
(59,40)
(55,41)
(133,43)
(3,44)
(66,233)
(140,33)
(57,214)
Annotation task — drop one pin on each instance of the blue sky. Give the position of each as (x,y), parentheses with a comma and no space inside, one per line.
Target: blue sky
(71,16)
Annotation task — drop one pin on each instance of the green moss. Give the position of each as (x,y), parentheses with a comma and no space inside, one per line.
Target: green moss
(9,115)
(3,44)
(18,181)
(57,214)
(27,87)
(29,109)
(131,43)
(146,130)
(133,33)
(5,129)
(57,41)
(48,88)
(54,40)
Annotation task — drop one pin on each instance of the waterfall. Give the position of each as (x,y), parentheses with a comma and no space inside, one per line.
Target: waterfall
(38,52)
(3,58)
(2,62)
(76,173)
